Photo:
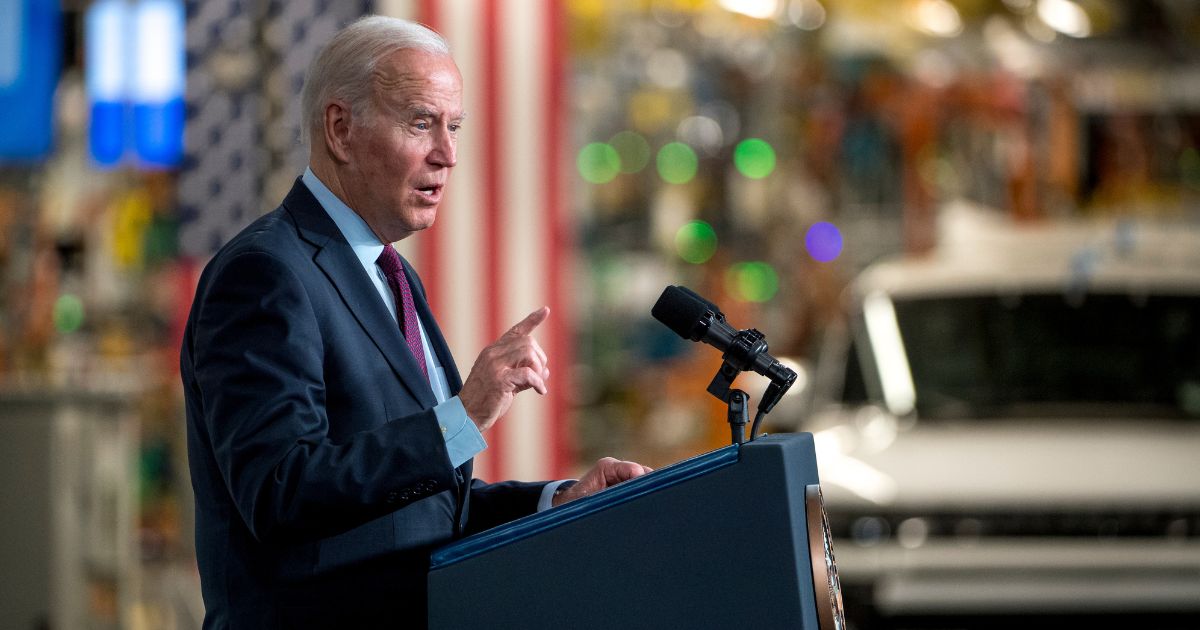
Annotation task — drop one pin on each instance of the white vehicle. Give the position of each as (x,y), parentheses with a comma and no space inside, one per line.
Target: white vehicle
(1010,428)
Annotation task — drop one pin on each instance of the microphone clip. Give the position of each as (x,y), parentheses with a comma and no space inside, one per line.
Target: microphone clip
(743,351)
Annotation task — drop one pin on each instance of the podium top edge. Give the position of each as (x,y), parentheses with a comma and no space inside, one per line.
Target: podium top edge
(534,524)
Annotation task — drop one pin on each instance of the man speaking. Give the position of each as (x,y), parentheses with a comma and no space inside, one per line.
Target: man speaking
(330,436)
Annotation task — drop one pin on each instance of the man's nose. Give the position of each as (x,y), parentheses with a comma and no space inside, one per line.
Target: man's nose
(444,151)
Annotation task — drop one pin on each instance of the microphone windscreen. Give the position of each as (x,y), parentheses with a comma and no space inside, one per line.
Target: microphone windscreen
(710,305)
(681,311)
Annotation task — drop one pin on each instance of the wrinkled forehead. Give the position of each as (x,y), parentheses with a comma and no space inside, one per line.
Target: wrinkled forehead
(415,76)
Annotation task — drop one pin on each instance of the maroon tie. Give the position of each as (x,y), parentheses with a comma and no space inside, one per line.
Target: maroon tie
(406,311)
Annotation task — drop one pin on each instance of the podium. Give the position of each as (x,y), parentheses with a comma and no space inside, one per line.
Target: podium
(732,538)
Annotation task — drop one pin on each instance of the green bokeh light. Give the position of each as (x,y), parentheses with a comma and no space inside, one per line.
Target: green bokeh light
(68,313)
(753,281)
(696,242)
(632,149)
(598,162)
(677,163)
(754,158)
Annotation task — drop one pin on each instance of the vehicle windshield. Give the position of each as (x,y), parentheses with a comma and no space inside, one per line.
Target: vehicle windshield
(1053,355)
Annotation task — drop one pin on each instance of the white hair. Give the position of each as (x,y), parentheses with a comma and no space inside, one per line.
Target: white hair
(345,67)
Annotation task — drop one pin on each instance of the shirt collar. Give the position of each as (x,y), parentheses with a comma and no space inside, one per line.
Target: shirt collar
(356,231)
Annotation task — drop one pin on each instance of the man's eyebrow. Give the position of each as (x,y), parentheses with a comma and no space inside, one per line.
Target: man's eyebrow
(421,111)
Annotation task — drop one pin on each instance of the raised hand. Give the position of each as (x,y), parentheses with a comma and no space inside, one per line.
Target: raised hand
(513,363)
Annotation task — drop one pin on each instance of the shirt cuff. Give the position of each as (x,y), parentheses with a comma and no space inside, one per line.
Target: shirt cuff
(463,439)
(546,501)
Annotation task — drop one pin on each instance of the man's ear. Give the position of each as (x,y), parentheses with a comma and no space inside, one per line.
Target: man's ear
(337,124)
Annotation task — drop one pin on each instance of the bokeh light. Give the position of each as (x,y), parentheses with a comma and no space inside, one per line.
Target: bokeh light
(68,313)
(760,9)
(1065,16)
(677,163)
(632,150)
(806,14)
(824,241)
(754,158)
(696,242)
(701,132)
(935,17)
(667,68)
(598,162)
(753,281)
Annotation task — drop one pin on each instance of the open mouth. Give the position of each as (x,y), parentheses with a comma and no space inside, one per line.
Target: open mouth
(431,191)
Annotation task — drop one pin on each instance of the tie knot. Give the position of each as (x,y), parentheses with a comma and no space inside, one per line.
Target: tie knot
(389,261)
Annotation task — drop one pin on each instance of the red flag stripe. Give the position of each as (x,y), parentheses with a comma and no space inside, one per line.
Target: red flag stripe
(560,241)
(493,189)
(429,14)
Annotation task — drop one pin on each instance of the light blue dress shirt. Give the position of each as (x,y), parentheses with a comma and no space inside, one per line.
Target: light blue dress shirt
(463,439)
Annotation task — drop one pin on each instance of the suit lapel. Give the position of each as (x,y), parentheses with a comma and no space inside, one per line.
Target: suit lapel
(336,259)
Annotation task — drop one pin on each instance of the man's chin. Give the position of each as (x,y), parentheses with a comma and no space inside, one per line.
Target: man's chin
(425,220)
(422,219)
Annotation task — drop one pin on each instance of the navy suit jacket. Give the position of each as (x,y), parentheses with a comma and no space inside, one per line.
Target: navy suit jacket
(320,472)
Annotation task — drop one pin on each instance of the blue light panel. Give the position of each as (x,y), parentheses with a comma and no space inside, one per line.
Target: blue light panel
(30,45)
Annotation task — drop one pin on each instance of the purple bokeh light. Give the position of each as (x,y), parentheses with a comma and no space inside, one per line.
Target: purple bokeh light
(824,241)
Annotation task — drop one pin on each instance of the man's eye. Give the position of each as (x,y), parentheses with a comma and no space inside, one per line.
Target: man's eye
(423,126)
(454,127)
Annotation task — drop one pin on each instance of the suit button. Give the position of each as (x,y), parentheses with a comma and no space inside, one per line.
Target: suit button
(391,497)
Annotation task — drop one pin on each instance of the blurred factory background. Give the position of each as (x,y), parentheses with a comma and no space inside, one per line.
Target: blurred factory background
(972,157)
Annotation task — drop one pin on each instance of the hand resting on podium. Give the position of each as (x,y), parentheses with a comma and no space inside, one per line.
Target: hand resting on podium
(606,473)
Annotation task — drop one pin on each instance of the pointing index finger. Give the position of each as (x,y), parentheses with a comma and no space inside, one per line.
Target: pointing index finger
(531,321)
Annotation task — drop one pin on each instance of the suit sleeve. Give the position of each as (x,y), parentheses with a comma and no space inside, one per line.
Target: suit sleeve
(258,363)
(494,504)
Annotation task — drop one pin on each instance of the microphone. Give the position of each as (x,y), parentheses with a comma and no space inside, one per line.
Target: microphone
(696,319)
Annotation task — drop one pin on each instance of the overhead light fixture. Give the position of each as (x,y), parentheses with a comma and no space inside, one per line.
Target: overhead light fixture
(1065,16)
(760,9)
(134,73)
(935,17)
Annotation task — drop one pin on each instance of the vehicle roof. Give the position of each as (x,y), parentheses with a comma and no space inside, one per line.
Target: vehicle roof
(981,252)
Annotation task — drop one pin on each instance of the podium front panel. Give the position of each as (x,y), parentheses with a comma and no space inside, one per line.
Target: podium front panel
(717,541)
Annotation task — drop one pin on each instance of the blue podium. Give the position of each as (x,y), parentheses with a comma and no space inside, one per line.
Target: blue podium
(733,538)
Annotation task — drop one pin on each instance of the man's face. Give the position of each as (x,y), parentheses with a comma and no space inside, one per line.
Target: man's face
(401,155)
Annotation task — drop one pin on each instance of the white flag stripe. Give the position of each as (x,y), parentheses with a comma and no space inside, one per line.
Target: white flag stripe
(460,233)
(461,261)
(523,219)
